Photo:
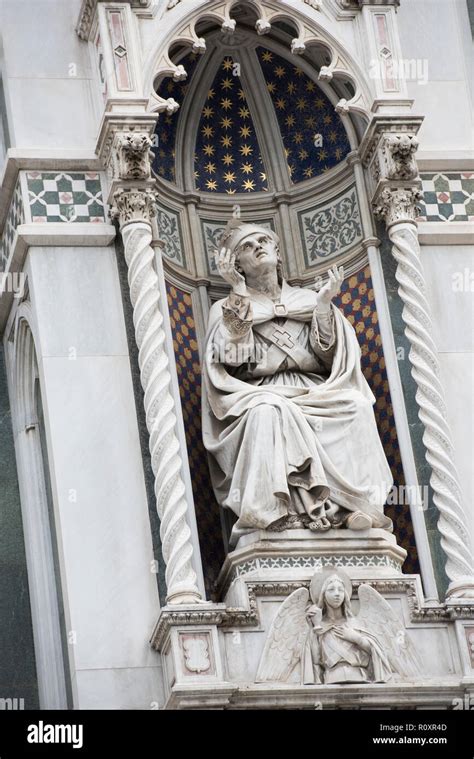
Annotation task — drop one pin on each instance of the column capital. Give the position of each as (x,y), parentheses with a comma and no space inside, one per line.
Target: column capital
(398,204)
(388,151)
(132,195)
(134,204)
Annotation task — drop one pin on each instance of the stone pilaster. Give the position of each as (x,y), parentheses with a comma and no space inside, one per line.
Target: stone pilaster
(388,151)
(133,205)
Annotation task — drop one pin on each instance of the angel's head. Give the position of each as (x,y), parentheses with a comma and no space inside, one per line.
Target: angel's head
(332,588)
(333,592)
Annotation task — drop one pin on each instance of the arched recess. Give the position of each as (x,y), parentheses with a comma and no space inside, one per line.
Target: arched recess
(38,521)
(321,219)
(313,41)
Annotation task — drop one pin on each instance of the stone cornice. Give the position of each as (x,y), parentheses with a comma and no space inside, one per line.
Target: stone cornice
(40,160)
(222,616)
(357,5)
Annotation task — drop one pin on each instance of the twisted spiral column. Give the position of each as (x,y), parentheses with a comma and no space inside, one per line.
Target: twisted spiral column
(181,580)
(452,524)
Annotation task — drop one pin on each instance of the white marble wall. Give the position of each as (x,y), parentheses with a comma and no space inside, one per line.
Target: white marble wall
(105,547)
(446,269)
(47,76)
(438,32)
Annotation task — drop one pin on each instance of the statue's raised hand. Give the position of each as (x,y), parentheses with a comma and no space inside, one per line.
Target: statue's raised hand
(225,262)
(332,287)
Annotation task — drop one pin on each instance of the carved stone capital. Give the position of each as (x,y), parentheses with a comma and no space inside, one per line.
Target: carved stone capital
(124,144)
(133,204)
(388,153)
(395,205)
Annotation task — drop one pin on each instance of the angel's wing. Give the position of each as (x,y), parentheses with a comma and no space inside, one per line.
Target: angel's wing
(377,617)
(285,639)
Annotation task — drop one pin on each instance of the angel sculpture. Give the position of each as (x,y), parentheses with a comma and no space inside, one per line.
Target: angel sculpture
(330,643)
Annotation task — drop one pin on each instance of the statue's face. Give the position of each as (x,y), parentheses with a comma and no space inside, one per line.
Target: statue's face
(257,252)
(334,595)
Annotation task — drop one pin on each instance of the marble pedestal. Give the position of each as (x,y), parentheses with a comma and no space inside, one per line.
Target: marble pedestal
(211,652)
(295,555)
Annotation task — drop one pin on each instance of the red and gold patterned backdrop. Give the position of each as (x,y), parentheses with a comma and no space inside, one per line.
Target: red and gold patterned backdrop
(357,303)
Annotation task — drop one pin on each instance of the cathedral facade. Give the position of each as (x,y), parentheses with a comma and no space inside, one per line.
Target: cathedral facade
(132,131)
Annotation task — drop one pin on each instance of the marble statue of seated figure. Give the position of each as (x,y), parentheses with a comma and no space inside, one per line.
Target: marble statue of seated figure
(288,421)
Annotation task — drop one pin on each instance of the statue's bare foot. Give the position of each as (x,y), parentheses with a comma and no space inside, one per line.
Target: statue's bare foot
(321,524)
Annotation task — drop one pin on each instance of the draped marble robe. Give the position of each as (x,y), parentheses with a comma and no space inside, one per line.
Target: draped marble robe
(286,407)
(331,659)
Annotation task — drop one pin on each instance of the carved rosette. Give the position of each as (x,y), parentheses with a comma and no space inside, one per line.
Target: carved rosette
(397,206)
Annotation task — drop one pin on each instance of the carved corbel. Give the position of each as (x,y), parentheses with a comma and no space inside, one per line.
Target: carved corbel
(388,152)
(262,26)
(132,154)
(298,46)
(398,153)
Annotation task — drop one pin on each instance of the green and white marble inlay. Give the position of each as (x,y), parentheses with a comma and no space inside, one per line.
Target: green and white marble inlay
(65,196)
